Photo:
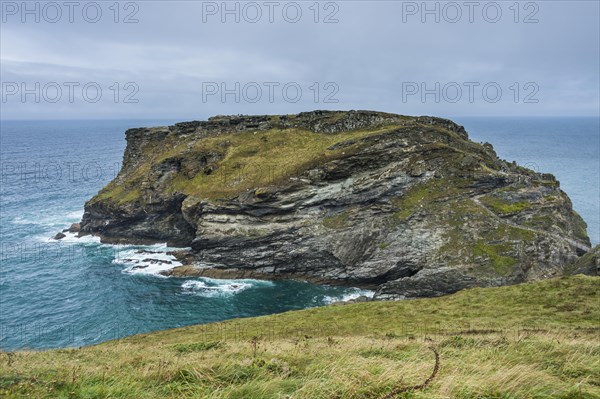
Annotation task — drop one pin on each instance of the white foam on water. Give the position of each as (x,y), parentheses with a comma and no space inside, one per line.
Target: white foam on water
(71,238)
(49,219)
(137,259)
(75,215)
(148,259)
(210,288)
(74,238)
(52,224)
(355,293)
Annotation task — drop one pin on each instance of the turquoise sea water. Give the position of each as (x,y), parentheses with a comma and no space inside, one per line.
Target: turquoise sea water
(79,292)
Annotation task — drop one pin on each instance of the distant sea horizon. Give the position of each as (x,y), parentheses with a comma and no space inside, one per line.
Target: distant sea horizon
(80,292)
(171,119)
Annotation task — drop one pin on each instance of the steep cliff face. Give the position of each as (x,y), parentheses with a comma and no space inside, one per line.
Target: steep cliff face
(407,205)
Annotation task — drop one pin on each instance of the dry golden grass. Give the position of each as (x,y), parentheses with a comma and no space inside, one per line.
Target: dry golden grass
(537,340)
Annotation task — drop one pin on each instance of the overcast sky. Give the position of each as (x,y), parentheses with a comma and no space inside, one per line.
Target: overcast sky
(481,58)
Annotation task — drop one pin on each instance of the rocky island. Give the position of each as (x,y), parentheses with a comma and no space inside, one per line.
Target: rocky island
(408,206)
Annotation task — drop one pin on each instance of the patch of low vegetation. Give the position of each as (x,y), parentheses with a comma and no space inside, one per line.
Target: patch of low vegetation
(580,227)
(243,160)
(535,340)
(223,165)
(197,346)
(550,183)
(118,193)
(545,222)
(336,222)
(424,194)
(496,244)
(501,263)
(502,207)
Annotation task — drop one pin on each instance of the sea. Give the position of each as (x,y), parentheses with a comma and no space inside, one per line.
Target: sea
(77,292)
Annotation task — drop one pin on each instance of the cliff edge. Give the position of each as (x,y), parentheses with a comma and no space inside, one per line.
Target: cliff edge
(408,206)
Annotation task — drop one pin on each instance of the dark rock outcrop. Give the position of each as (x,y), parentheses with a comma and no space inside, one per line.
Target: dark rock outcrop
(74,228)
(587,264)
(406,205)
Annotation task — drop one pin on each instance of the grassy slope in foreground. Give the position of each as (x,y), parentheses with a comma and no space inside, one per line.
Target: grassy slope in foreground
(535,340)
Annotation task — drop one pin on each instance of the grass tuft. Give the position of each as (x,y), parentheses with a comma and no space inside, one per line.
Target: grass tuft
(197,347)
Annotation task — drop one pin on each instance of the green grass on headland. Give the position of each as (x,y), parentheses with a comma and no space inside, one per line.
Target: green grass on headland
(248,160)
(535,340)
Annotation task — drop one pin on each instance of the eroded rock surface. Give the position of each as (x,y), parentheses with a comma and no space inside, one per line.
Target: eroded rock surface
(408,206)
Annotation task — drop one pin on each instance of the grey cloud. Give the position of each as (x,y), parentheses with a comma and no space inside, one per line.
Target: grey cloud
(370,55)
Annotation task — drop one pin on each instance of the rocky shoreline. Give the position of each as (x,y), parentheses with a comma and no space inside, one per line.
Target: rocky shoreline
(408,206)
